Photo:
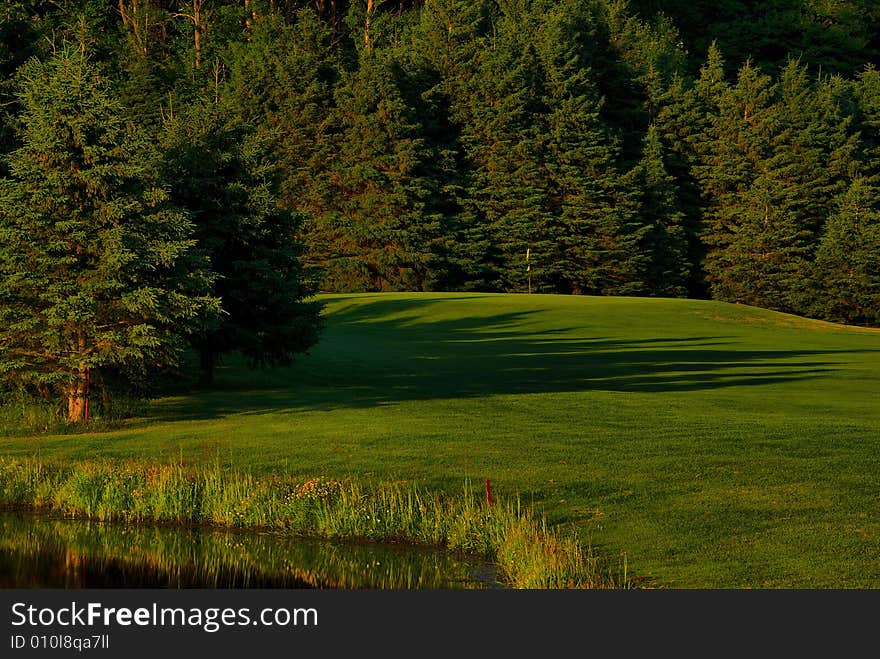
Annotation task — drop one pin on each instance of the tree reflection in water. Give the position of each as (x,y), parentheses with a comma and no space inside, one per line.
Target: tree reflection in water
(45,552)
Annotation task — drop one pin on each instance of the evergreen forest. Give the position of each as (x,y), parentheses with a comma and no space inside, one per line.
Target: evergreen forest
(187,174)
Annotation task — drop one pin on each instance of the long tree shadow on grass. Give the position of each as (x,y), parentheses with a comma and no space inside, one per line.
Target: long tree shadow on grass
(389,351)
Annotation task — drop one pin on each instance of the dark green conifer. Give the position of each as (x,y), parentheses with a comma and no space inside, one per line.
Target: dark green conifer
(97,269)
(847,265)
(738,222)
(665,242)
(224,176)
(373,225)
(591,225)
(281,83)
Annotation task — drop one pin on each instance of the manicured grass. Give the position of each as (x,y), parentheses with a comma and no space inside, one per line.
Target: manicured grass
(717,445)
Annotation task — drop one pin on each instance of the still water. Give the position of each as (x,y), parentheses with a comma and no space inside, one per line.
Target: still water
(44,552)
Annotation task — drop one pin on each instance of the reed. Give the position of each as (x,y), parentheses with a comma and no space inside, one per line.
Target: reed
(529,554)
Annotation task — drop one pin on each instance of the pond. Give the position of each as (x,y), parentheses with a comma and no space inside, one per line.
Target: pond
(37,551)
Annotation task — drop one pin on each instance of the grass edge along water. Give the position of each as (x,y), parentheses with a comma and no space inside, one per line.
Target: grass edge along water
(529,553)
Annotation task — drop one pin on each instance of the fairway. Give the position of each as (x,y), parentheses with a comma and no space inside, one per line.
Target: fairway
(715,445)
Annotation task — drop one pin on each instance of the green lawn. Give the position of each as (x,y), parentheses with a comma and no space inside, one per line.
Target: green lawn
(717,445)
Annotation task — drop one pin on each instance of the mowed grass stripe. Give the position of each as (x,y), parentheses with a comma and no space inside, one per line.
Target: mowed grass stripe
(717,445)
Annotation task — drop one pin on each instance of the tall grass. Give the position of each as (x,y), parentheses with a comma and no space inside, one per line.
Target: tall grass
(529,554)
(23,414)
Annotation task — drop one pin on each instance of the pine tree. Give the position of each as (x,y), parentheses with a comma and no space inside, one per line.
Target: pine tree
(591,226)
(640,59)
(281,83)
(780,157)
(738,221)
(666,240)
(452,40)
(682,124)
(846,277)
(448,38)
(97,269)
(867,97)
(373,227)
(19,41)
(711,85)
(686,112)
(811,166)
(222,174)
(500,138)
(444,50)
(835,36)
(847,264)
(146,68)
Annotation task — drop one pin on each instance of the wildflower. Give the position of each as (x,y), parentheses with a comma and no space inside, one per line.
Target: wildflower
(317,488)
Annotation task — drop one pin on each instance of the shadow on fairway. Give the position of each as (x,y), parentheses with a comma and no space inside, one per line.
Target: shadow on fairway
(392,350)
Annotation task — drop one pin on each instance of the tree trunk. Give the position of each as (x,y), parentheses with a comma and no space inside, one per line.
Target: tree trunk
(138,23)
(198,42)
(197,31)
(248,16)
(367,44)
(76,399)
(77,390)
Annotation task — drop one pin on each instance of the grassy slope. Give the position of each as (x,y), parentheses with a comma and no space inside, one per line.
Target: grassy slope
(718,445)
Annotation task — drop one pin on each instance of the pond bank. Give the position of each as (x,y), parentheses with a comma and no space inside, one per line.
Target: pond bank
(527,552)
